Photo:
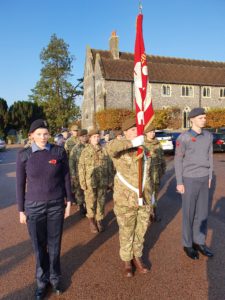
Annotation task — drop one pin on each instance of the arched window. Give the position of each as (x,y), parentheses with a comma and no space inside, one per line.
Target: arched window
(206,92)
(186,122)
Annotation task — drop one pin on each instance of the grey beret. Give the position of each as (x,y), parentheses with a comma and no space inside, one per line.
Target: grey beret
(196,112)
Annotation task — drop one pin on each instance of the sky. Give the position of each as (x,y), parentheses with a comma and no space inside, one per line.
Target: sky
(186,28)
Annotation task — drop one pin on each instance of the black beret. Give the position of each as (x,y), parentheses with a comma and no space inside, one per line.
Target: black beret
(196,112)
(129,123)
(39,123)
(82,132)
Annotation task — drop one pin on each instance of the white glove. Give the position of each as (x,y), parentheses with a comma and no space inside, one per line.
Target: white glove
(138,141)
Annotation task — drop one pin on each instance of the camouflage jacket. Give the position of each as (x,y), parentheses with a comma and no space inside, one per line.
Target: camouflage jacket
(75,154)
(158,166)
(125,161)
(70,143)
(94,168)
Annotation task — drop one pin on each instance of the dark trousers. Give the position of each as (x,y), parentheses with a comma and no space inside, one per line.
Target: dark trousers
(45,226)
(195,203)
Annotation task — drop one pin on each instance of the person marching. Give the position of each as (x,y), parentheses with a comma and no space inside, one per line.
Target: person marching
(194,167)
(73,163)
(158,166)
(43,191)
(72,140)
(95,178)
(132,219)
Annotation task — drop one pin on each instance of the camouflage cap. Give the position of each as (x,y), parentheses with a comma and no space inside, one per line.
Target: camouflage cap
(129,123)
(74,128)
(196,112)
(82,132)
(93,131)
(39,123)
(149,128)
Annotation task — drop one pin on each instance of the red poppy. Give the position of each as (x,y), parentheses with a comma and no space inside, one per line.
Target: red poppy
(53,161)
(193,139)
(148,154)
(177,143)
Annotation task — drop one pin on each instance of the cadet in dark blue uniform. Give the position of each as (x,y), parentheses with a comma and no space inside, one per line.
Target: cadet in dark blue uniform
(193,166)
(43,197)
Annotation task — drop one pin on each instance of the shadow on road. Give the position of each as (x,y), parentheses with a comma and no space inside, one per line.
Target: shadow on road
(76,257)
(168,206)
(216,265)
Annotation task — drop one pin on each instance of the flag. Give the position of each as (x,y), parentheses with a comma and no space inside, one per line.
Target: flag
(143,102)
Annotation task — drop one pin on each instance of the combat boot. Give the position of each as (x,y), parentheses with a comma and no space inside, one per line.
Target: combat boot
(82,210)
(93,226)
(128,269)
(100,226)
(140,266)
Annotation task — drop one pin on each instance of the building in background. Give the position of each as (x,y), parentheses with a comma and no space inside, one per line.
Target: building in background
(173,82)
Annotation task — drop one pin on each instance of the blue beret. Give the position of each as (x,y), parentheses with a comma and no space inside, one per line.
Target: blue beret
(196,112)
(39,123)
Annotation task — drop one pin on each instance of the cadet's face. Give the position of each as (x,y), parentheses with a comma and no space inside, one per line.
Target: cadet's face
(131,133)
(83,138)
(119,137)
(150,135)
(199,121)
(106,137)
(40,136)
(94,139)
(74,133)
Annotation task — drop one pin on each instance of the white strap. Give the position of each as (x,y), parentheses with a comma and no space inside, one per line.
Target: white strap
(131,187)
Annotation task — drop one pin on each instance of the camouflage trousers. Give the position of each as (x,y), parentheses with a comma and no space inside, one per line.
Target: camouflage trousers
(79,195)
(95,202)
(133,223)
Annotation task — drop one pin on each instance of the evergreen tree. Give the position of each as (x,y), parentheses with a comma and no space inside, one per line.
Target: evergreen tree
(3,116)
(53,91)
(22,114)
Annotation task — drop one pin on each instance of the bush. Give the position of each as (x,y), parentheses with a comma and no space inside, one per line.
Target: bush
(111,118)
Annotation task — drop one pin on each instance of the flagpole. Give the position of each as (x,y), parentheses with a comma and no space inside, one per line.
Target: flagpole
(140,7)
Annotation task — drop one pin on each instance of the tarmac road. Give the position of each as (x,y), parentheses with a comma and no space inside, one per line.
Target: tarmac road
(91,267)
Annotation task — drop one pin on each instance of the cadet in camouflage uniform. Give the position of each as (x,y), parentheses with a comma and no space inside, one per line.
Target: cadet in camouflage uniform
(132,217)
(73,163)
(73,140)
(95,178)
(158,166)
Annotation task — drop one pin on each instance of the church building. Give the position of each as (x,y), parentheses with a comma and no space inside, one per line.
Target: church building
(173,82)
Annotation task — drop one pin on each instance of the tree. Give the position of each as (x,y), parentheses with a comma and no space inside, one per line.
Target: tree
(22,114)
(3,116)
(53,91)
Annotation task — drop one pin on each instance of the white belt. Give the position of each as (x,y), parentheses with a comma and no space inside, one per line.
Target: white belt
(131,187)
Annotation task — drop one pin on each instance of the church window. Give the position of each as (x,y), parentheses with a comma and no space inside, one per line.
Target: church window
(222,93)
(187,91)
(166,90)
(206,92)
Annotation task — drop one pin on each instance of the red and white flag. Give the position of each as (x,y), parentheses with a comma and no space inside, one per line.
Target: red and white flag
(143,102)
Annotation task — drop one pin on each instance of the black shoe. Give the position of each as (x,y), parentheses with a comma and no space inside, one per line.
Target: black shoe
(40,293)
(57,290)
(191,252)
(203,250)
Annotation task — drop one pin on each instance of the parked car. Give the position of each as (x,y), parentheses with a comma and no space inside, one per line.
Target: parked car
(165,140)
(2,145)
(218,142)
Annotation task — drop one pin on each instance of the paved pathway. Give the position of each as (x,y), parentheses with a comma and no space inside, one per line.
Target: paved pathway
(91,266)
